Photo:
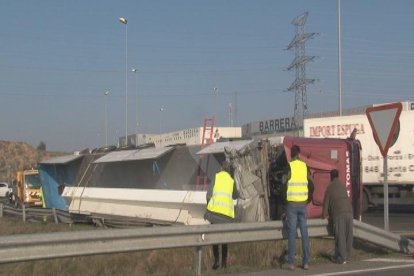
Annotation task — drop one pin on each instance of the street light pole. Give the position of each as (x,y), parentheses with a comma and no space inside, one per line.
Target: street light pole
(215,93)
(125,22)
(106,93)
(161,111)
(136,99)
(339,59)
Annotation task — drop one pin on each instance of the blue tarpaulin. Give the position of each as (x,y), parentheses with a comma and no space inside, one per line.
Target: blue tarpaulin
(54,178)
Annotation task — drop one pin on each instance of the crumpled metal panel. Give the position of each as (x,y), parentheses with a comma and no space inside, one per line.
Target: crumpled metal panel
(250,165)
(219,146)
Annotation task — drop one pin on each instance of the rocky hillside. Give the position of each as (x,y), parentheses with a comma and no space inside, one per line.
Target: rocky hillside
(16,156)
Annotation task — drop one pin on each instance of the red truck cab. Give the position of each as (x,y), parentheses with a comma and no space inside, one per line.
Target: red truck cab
(322,156)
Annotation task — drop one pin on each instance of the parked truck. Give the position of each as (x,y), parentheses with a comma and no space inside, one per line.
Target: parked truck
(26,188)
(400,155)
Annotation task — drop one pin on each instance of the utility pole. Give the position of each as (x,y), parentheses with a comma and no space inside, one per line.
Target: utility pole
(299,64)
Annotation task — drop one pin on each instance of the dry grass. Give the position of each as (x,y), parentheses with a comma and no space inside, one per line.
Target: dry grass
(245,257)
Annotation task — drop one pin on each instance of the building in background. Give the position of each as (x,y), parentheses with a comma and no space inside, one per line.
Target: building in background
(189,136)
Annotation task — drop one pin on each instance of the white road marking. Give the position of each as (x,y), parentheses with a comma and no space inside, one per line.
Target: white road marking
(363,270)
(390,260)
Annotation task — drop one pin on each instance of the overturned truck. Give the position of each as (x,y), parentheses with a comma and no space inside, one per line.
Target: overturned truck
(168,185)
(259,169)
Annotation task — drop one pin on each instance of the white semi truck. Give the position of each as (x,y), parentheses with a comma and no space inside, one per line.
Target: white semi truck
(400,155)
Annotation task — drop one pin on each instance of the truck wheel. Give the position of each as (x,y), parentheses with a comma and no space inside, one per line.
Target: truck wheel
(365,202)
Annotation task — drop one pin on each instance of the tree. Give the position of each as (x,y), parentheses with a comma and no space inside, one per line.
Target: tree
(41,146)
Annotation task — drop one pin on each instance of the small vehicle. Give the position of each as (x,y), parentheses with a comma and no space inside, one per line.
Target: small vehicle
(5,190)
(27,188)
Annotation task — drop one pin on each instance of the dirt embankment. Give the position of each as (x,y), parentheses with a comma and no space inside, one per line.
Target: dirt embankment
(16,156)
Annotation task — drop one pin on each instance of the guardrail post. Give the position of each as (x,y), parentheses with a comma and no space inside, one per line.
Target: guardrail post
(198,260)
(1,210)
(23,212)
(55,215)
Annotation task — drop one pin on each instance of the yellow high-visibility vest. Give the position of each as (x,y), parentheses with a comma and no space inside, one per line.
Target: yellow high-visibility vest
(221,201)
(297,190)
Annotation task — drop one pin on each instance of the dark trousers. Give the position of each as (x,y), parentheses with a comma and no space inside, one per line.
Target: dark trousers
(223,254)
(214,218)
(344,236)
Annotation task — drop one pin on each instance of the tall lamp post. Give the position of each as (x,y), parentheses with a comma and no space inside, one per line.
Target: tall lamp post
(124,21)
(339,59)
(161,111)
(215,93)
(106,93)
(136,99)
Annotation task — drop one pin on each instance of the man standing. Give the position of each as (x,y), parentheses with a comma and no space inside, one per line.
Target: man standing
(337,206)
(220,207)
(298,191)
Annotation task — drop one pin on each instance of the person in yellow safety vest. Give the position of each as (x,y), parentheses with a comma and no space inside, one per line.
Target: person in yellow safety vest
(298,190)
(220,206)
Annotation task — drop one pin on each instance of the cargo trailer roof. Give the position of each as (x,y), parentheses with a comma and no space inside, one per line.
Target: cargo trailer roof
(134,155)
(61,159)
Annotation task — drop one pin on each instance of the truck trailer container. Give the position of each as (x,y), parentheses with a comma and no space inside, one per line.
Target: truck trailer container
(400,155)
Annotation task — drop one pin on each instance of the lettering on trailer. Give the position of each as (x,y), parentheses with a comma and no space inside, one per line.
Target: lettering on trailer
(335,130)
(348,174)
(277,125)
(398,170)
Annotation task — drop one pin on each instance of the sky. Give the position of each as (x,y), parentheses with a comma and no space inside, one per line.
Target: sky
(58,58)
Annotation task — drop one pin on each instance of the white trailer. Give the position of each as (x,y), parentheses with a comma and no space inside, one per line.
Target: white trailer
(400,155)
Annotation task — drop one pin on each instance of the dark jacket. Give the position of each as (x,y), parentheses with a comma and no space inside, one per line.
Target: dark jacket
(336,200)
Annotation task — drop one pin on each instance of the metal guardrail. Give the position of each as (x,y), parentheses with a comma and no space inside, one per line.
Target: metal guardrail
(16,248)
(383,238)
(36,214)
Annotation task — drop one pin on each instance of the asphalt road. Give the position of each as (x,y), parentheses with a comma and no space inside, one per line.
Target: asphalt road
(401,266)
(400,221)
